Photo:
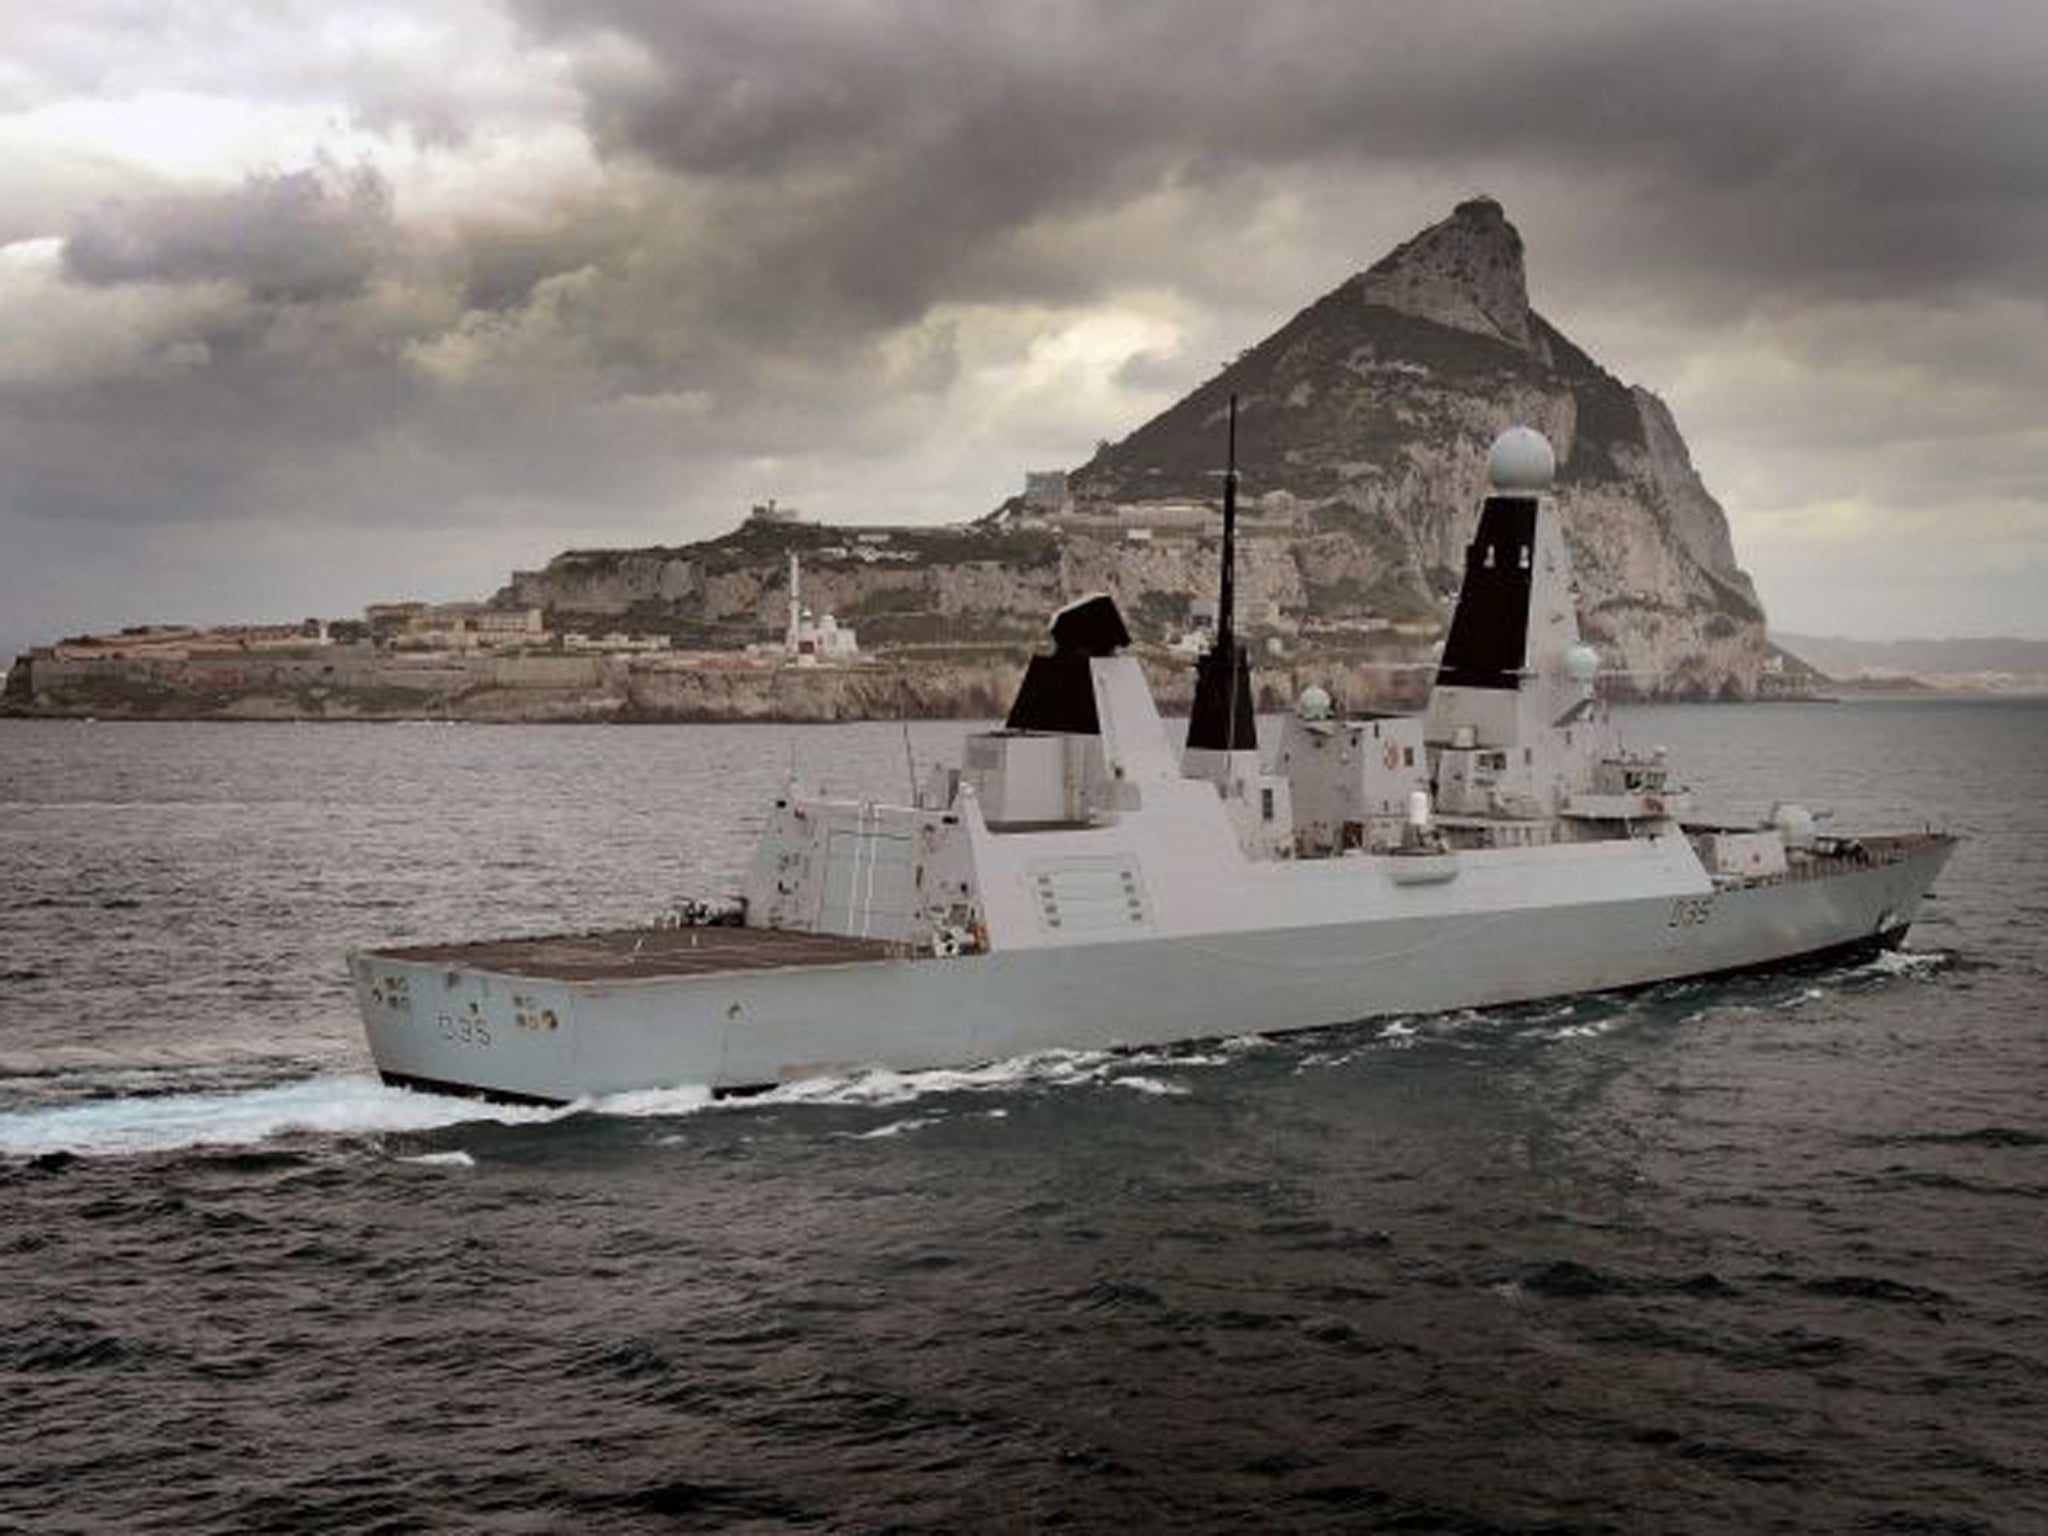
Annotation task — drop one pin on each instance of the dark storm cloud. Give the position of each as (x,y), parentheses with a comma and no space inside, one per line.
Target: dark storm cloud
(811,225)
(299,237)
(1846,148)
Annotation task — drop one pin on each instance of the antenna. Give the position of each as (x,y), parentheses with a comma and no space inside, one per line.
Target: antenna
(910,762)
(1226,599)
(1222,718)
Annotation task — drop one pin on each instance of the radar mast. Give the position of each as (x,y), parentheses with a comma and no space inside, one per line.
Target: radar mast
(1222,719)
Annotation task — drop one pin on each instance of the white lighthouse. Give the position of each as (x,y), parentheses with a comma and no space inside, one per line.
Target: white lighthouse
(809,640)
(793,636)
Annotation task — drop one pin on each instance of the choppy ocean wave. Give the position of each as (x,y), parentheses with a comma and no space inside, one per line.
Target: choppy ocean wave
(1754,1255)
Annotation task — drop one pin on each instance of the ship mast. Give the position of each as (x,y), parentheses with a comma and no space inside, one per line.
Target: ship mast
(1222,718)
(1226,598)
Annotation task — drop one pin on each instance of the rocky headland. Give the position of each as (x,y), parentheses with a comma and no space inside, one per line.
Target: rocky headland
(1364,425)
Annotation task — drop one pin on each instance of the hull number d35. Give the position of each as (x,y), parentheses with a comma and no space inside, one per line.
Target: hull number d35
(1691,912)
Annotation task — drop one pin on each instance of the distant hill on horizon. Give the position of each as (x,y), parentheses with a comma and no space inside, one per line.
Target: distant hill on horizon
(1842,656)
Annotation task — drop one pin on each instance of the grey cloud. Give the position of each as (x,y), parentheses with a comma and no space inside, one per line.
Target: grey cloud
(1835,147)
(305,235)
(1152,370)
(791,195)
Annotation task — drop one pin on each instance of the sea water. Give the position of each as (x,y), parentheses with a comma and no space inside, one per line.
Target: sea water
(1755,1255)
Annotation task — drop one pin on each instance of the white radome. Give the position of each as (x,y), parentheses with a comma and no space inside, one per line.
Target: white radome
(1794,823)
(1582,663)
(1521,460)
(1314,703)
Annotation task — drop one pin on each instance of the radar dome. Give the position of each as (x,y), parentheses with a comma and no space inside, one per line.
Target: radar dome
(1582,663)
(1521,460)
(1314,703)
(1794,824)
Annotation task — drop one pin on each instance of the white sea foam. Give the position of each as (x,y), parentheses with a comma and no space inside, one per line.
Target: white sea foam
(1152,1085)
(648,1103)
(1910,962)
(886,1088)
(894,1128)
(442,1160)
(347,1105)
(165,1122)
(1588,1031)
(882,1087)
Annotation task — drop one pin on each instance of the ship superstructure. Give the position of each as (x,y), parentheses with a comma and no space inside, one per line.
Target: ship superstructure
(1081,880)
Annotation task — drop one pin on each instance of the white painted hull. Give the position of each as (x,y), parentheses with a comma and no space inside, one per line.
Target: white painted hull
(459,1028)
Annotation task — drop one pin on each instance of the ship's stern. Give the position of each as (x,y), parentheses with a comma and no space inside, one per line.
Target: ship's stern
(449,1030)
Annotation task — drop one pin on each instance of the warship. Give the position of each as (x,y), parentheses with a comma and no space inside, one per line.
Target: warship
(1076,882)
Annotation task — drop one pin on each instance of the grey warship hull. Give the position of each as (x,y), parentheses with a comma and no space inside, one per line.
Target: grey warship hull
(505,1021)
(1078,882)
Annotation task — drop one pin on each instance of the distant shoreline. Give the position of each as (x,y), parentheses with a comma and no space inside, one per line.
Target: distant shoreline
(1269,705)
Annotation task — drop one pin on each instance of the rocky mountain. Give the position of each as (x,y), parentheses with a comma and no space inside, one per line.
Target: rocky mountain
(1370,413)
(1364,426)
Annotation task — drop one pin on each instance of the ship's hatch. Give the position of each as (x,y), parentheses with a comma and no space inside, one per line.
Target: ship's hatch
(867,886)
(1089,895)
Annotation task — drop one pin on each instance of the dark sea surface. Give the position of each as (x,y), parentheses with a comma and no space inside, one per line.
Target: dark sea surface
(1762,1255)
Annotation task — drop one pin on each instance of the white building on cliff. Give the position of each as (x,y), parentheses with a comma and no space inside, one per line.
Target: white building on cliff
(808,639)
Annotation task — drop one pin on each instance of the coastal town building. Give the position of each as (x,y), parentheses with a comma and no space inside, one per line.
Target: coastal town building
(177,642)
(413,626)
(616,644)
(1045,490)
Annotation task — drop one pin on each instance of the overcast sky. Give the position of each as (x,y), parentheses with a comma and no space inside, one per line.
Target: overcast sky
(308,304)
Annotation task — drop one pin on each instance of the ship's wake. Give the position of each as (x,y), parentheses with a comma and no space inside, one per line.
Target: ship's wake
(338,1105)
(358,1106)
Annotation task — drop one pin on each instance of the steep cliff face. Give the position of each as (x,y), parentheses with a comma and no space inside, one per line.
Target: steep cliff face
(1373,408)
(1364,426)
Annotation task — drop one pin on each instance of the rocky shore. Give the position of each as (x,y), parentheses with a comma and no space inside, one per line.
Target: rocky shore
(1363,432)
(544,690)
